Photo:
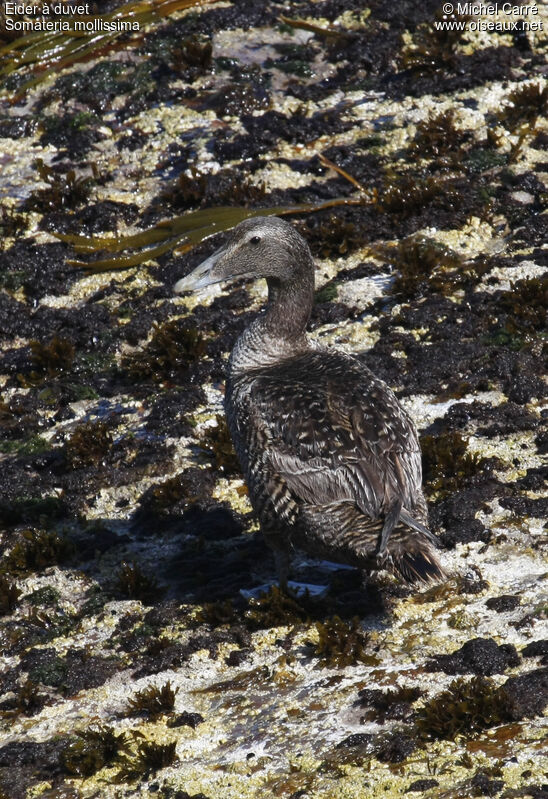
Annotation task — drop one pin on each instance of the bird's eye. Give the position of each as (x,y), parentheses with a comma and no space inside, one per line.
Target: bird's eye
(255,239)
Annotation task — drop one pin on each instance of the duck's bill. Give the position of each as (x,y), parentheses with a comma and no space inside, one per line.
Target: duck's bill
(204,275)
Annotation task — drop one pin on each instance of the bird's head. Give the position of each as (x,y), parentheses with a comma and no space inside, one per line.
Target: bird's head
(265,246)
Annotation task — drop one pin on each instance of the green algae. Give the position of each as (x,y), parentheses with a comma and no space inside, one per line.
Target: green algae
(34,445)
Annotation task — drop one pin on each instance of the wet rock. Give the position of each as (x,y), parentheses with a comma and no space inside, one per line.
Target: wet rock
(422,785)
(483,786)
(526,696)
(480,656)
(503,604)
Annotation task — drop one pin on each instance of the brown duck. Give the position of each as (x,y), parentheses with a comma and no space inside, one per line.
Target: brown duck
(331,459)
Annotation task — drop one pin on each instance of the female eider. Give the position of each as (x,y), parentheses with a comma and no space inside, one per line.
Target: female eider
(331,459)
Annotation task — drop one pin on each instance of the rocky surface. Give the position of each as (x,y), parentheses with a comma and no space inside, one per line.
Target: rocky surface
(131,663)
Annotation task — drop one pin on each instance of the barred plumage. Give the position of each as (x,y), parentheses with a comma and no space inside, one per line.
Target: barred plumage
(331,459)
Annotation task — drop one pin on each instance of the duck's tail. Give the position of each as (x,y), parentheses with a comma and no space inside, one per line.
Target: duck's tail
(342,533)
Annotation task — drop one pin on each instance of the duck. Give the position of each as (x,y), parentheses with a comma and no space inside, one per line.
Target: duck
(331,459)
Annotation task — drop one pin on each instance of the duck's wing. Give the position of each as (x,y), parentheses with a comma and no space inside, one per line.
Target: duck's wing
(330,431)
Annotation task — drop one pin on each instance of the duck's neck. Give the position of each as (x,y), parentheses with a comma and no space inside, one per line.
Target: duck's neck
(280,331)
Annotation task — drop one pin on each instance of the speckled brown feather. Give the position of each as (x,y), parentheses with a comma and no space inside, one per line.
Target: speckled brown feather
(323,458)
(331,459)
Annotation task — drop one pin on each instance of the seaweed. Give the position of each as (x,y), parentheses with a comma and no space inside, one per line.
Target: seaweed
(326,293)
(27,700)
(525,306)
(466,707)
(132,583)
(332,235)
(447,463)
(179,234)
(89,444)
(218,443)
(194,188)
(422,264)
(341,643)
(192,52)
(439,138)
(482,159)
(394,704)
(9,594)
(11,223)
(26,509)
(64,189)
(189,487)
(172,348)
(46,596)
(153,701)
(35,445)
(527,104)
(407,194)
(35,550)
(92,750)
(147,758)
(218,613)
(51,359)
(275,609)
